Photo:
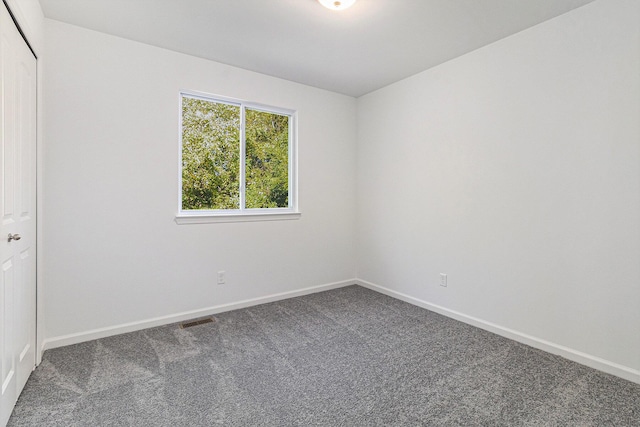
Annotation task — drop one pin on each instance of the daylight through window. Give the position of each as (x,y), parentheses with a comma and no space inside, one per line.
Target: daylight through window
(236,157)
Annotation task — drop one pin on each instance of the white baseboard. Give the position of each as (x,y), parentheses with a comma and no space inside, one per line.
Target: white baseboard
(568,353)
(61,341)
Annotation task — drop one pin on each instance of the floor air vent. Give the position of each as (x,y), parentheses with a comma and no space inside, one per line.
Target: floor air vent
(197,322)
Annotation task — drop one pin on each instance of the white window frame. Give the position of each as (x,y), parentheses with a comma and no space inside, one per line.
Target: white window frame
(242,214)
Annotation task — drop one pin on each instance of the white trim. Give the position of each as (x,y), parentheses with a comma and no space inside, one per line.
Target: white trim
(237,102)
(591,361)
(25,25)
(180,96)
(187,315)
(293,161)
(243,159)
(242,214)
(40,255)
(209,217)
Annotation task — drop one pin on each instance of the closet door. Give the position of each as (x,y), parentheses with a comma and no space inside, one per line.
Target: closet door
(17,213)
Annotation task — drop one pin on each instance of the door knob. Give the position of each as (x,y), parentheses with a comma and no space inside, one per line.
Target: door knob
(13,237)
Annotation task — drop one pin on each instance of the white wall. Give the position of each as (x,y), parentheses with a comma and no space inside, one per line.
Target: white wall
(114,254)
(515,169)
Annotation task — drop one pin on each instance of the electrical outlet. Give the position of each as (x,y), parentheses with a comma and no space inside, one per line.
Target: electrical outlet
(221,278)
(443,280)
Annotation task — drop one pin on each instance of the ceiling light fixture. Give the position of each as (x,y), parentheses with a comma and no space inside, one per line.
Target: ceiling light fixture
(337,4)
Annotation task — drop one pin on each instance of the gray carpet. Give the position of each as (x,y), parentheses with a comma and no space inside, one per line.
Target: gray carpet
(346,357)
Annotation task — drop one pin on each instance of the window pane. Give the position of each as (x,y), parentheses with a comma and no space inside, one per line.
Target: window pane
(210,155)
(267,159)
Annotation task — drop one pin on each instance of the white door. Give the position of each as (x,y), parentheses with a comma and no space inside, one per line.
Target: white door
(17,213)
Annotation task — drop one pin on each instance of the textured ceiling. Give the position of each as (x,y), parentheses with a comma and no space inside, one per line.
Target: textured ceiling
(356,51)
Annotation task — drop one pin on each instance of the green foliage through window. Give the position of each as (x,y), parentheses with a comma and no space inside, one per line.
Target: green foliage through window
(212,161)
(267,160)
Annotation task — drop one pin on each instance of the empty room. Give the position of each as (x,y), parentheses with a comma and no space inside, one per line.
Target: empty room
(320,213)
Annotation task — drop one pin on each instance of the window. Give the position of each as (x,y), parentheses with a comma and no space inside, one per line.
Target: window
(237,161)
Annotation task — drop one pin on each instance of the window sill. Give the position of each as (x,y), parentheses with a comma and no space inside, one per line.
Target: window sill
(209,218)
